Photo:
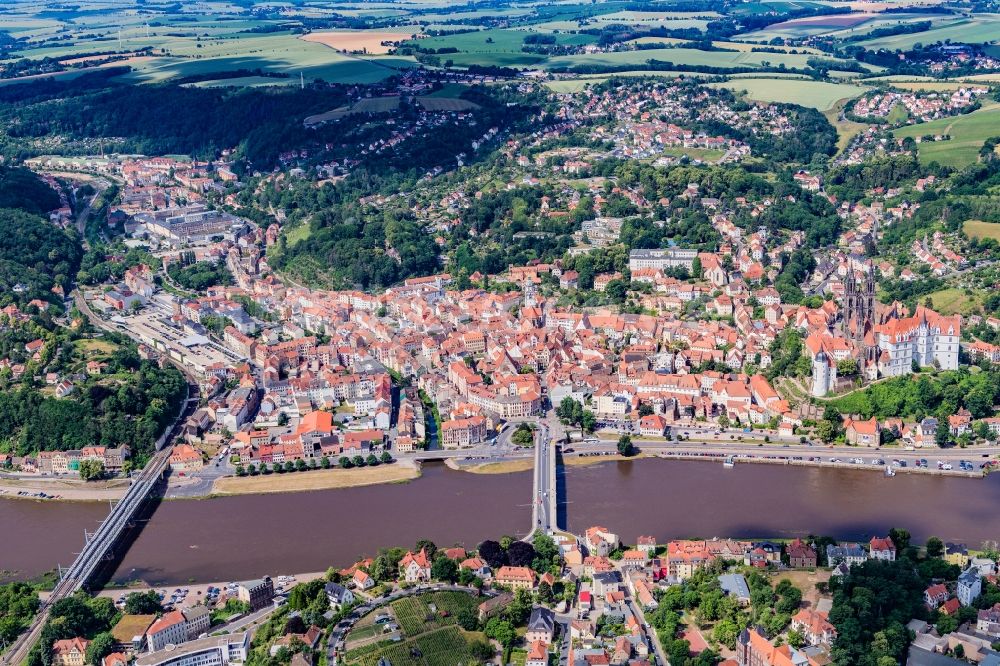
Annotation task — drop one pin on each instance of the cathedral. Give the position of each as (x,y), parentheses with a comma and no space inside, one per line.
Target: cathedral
(884,340)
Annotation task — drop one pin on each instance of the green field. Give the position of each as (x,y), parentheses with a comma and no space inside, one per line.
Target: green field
(955,301)
(682,56)
(977,229)
(977,30)
(967,132)
(494,47)
(816,94)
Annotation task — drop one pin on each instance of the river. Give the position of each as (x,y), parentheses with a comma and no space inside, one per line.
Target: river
(241,537)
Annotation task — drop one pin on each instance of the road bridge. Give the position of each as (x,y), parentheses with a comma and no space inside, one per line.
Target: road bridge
(99,546)
(545,491)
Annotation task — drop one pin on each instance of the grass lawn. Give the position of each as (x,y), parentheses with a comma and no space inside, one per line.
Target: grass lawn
(817,94)
(967,132)
(299,232)
(955,301)
(977,229)
(92,347)
(314,480)
(703,154)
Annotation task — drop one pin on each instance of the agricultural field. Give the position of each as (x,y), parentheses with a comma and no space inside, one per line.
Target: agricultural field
(980,29)
(817,94)
(494,47)
(444,647)
(806,27)
(430,636)
(967,132)
(978,229)
(374,105)
(682,56)
(365,41)
(446,104)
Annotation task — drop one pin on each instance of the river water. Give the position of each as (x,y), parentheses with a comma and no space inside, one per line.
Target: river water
(236,538)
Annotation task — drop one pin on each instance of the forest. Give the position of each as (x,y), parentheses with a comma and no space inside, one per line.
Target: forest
(35,256)
(131,404)
(261,122)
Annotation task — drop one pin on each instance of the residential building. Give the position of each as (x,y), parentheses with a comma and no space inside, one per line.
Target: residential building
(257,593)
(169,629)
(969,587)
(415,566)
(338,595)
(988,621)
(70,652)
(801,555)
(849,553)
(815,626)
(541,625)
(516,578)
(197,619)
(882,548)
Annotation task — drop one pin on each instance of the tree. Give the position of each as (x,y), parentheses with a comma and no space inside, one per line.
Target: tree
(588,421)
(726,632)
(826,431)
(625,447)
(427,546)
(143,603)
(501,631)
(385,458)
(481,651)
(545,547)
(372,460)
(523,435)
(324,462)
(91,470)
(444,569)
(943,434)
(345,462)
(520,554)
(900,538)
(847,367)
(947,624)
(100,647)
(935,547)
(494,555)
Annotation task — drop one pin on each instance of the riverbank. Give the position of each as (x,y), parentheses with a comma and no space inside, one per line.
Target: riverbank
(327,479)
(68,490)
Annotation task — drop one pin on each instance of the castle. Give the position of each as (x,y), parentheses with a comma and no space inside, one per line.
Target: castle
(886,341)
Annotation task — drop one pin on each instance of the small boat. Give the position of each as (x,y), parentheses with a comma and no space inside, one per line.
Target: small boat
(890,471)
(729,463)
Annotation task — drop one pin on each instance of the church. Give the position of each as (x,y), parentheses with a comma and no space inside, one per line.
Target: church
(885,340)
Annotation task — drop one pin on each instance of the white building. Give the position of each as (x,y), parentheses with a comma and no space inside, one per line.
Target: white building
(661,259)
(970,585)
(925,338)
(212,651)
